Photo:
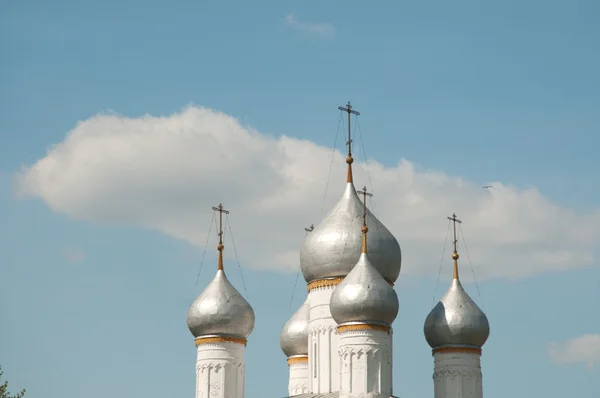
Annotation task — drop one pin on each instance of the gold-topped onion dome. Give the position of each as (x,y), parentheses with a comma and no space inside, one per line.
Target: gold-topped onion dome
(364,296)
(220,309)
(294,335)
(332,249)
(456,321)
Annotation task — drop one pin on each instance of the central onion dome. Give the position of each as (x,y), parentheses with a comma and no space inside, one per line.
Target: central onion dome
(220,310)
(456,321)
(332,249)
(364,296)
(294,335)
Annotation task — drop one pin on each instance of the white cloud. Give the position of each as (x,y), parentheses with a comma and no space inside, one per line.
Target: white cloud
(165,173)
(74,255)
(584,349)
(323,30)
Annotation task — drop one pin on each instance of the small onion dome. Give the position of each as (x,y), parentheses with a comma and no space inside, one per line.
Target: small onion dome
(334,246)
(364,296)
(456,321)
(220,310)
(294,335)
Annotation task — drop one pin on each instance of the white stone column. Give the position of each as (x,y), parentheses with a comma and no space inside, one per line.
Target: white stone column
(365,357)
(220,367)
(323,362)
(298,383)
(457,373)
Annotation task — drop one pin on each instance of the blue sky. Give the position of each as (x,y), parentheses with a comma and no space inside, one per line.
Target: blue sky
(97,279)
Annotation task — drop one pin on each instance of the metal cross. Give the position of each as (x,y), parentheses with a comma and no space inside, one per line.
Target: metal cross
(364,193)
(221,210)
(350,111)
(454,221)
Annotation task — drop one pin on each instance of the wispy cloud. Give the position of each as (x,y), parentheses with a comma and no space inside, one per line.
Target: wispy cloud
(321,30)
(74,255)
(109,169)
(583,349)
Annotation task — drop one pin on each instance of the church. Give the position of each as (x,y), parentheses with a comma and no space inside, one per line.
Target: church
(338,344)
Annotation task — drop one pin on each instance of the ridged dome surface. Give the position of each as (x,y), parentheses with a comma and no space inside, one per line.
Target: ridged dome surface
(332,249)
(221,310)
(364,296)
(456,321)
(294,335)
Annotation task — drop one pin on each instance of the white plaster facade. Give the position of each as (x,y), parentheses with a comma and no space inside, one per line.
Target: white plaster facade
(365,358)
(298,381)
(323,362)
(220,370)
(457,375)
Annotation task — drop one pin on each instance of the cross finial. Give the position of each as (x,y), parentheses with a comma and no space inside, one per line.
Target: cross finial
(455,255)
(220,247)
(364,228)
(349,159)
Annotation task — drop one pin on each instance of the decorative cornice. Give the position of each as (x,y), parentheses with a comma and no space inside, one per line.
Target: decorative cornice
(330,282)
(322,283)
(297,359)
(460,350)
(362,326)
(220,339)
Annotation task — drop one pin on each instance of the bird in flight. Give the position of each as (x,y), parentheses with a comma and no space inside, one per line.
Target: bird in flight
(486,186)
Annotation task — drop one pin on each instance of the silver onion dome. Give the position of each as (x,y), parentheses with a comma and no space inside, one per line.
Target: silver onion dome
(456,321)
(294,335)
(220,310)
(332,249)
(364,296)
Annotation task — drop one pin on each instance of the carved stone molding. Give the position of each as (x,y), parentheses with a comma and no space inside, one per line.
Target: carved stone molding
(298,389)
(452,374)
(202,366)
(358,351)
(323,329)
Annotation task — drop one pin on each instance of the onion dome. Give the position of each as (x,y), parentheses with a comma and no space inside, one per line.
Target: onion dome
(294,335)
(456,321)
(333,248)
(364,296)
(220,309)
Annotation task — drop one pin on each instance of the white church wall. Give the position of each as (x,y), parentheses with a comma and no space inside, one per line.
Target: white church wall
(219,368)
(298,381)
(323,363)
(365,358)
(457,374)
